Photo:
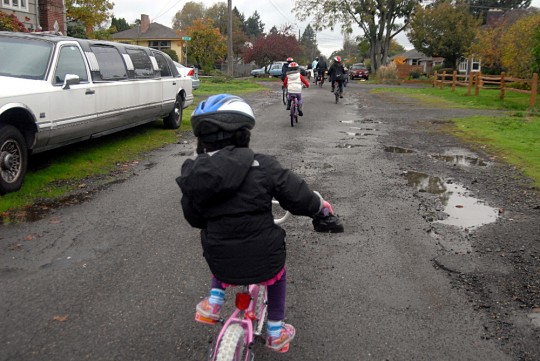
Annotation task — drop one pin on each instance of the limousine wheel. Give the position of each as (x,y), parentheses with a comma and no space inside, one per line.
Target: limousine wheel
(174,119)
(13,159)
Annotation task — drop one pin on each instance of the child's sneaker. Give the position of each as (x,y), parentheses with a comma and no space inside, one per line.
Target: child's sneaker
(207,312)
(281,343)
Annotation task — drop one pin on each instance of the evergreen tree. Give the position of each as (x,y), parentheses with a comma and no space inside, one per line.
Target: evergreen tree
(119,24)
(308,41)
(253,26)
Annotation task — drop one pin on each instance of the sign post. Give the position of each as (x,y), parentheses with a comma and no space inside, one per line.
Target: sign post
(186,39)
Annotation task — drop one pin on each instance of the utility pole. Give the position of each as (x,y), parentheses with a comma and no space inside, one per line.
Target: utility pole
(230,69)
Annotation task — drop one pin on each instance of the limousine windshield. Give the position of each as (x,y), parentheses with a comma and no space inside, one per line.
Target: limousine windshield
(15,62)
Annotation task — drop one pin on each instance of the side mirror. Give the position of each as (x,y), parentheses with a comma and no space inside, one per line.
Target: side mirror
(71,79)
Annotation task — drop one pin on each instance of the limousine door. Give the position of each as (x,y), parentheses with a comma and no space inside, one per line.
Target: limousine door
(72,103)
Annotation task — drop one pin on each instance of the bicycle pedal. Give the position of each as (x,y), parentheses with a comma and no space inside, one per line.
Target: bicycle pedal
(200,318)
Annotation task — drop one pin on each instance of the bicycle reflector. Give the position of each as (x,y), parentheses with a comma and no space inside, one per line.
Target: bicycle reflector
(243,300)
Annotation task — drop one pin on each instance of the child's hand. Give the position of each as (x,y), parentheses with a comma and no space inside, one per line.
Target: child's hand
(326,209)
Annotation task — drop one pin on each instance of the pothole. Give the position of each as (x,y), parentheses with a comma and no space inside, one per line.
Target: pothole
(348,146)
(391,149)
(461,160)
(462,208)
(356,134)
(361,121)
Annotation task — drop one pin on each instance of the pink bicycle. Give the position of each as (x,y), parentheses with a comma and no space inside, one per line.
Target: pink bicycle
(241,329)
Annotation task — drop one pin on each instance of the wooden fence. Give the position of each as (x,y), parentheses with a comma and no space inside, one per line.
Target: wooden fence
(479,81)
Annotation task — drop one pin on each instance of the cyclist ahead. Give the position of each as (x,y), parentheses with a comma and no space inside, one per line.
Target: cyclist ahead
(321,68)
(337,75)
(293,82)
(285,68)
(227,192)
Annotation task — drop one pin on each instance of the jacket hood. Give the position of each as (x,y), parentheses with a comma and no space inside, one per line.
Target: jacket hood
(215,176)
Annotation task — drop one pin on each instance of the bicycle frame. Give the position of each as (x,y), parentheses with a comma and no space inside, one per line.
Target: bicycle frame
(249,313)
(247,316)
(294,110)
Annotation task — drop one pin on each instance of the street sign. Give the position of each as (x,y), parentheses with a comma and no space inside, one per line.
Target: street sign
(186,38)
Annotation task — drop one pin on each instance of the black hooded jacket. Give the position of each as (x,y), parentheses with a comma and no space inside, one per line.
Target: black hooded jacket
(228,194)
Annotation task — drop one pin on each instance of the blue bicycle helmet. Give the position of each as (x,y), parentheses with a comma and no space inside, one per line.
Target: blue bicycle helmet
(221,113)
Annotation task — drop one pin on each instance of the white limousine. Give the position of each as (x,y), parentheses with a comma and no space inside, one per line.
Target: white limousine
(57,90)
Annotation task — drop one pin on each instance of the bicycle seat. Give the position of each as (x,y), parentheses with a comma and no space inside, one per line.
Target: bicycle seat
(293,96)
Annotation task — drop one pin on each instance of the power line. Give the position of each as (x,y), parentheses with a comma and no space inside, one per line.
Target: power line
(166,11)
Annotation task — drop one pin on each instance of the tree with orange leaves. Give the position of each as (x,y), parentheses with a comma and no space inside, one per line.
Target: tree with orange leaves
(207,45)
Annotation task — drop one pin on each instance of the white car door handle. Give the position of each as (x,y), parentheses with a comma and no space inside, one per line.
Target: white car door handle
(90,91)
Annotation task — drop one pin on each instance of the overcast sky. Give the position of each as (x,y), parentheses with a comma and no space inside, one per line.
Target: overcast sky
(271,12)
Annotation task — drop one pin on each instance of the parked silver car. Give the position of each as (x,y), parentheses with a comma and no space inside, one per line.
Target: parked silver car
(192,73)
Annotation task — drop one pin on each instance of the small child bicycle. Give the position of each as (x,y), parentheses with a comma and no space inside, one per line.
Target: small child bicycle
(294,109)
(239,332)
(242,328)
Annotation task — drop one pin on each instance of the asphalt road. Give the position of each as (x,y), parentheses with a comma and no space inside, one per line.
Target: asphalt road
(118,277)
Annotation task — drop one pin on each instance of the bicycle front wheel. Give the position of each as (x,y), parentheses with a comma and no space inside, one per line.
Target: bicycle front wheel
(284,91)
(231,347)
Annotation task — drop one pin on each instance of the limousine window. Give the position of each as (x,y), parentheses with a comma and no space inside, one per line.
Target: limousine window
(162,64)
(70,61)
(111,64)
(15,62)
(141,62)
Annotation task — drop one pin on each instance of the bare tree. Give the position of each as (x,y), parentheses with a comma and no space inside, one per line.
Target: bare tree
(378,19)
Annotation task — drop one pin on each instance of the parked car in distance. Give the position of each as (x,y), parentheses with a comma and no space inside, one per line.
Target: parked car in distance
(57,90)
(359,70)
(275,68)
(192,73)
(257,73)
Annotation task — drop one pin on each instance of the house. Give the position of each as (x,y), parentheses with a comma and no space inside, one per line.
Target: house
(38,15)
(418,59)
(152,35)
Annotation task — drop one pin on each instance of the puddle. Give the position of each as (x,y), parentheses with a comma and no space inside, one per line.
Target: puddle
(353,134)
(462,208)
(398,150)
(462,160)
(348,146)
(362,121)
(366,129)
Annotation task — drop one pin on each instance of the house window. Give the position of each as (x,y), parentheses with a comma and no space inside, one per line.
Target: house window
(21,5)
(159,44)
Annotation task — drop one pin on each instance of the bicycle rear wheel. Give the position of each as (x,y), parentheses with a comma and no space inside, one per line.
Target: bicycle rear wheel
(262,310)
(336,93)
(231,347)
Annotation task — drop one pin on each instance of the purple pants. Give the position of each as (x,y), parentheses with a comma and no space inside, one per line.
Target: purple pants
(276,297)
(298,97)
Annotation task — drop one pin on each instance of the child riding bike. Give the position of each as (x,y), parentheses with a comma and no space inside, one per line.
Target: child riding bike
(337,75)
(227,192)
(293,82)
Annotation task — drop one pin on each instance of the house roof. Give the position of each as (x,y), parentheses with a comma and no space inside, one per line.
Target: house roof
(415,54)
(155,31)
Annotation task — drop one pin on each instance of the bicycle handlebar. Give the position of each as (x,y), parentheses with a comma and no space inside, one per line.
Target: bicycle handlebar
(282,219)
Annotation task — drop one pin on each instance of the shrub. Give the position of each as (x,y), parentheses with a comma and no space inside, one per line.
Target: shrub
(172,53)
(9,22)
(388,74)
